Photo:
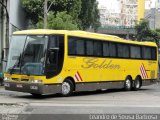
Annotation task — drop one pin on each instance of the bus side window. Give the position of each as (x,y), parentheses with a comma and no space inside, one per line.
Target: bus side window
(146,53)
(76,46)
(89,47)
(80,43)
(97,48)
(112,50)
(135,52)
(105,49)
(154,54)
(123,50)
(71,46)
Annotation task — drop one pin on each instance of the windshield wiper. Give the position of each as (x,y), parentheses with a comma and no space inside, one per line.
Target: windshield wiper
(16,64)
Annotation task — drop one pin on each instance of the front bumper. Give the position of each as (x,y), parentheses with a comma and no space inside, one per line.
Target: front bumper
(33,87)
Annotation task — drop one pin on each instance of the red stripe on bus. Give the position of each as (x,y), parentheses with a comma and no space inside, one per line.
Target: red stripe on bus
(79,76)
(142,72)
(145,70)
(76,77)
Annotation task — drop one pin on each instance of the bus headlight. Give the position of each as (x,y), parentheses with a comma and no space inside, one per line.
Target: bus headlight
(6,78)
(36,81)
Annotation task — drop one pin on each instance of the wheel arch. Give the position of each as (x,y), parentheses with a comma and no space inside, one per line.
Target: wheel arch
(129,76)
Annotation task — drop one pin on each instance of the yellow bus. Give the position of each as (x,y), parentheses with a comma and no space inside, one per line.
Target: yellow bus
(60,61)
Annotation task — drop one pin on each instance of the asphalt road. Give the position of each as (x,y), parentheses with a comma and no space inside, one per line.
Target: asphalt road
(79,106)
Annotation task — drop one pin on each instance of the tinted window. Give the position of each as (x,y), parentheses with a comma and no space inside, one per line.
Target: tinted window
(80,47)
(154,54)
(105,49)
(97,48)
(54,42)
(76,46)
(112,49)
(135,51)
(146,52)
(71,46)
(123,51)
(55,57)
(89,47)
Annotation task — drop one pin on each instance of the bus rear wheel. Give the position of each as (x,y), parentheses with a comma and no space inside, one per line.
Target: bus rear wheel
(128,84)
(137,84)
(67,88)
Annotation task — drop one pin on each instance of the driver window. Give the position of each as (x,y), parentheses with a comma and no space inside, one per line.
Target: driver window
(52,53)
(51,57)
(53,43)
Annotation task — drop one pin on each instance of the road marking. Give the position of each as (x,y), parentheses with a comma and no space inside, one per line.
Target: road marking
(92,105)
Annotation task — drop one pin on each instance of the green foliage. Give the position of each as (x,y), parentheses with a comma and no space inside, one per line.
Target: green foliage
(33,9)
(89,15)
(61,20)
(144,33)
(84,13)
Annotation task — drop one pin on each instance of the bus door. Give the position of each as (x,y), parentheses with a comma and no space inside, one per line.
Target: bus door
(55,55)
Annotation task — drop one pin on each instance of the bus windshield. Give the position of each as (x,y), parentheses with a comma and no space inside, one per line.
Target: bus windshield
(27,54)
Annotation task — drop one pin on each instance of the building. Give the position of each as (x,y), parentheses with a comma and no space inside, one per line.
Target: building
(12,18)
(130,11)
(109,17)
(153,16)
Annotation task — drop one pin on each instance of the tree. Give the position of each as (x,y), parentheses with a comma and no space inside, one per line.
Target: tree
(61,20)
(89,14)
(34,8)
(143,30)
(144,33)
(84,13)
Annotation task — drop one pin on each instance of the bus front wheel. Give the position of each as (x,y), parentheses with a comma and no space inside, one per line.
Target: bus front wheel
(67,88)
(128,84)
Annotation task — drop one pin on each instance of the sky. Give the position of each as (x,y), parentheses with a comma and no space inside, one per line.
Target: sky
(113,4)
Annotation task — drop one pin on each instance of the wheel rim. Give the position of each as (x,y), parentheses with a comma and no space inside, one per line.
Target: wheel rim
(137,84)
(128,84)
(65,88)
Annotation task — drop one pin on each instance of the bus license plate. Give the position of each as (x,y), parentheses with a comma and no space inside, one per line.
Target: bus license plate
(19,86)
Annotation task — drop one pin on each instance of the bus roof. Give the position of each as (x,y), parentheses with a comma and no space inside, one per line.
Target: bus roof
(79,33)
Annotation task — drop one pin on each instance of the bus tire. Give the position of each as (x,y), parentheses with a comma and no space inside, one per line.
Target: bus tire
(137,84)
(67,88)
(128,84)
